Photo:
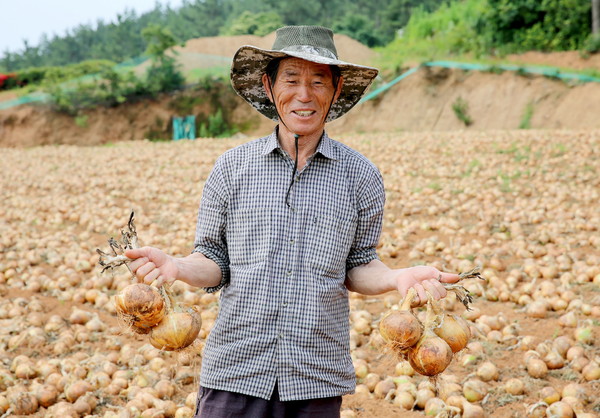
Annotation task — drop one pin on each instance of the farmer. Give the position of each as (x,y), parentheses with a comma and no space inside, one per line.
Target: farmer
(287,225)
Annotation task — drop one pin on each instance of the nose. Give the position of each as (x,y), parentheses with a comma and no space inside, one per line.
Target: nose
(303,93)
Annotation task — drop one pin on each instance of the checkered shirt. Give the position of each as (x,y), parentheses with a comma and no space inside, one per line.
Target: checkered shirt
(284,311)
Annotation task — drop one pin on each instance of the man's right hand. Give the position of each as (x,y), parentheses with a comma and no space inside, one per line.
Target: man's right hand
(152,265)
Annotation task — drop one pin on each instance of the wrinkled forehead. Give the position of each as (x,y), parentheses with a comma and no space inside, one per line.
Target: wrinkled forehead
(298,66)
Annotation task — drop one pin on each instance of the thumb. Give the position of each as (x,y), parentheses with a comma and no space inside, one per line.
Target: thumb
(449,277)
(137,253)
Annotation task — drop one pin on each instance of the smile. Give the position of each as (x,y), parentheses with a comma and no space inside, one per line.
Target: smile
(304,113)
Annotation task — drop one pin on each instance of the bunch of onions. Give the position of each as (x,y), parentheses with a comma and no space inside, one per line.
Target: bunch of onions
(153,311)
(147,309)
(428,347)
(401,328)
(431,354)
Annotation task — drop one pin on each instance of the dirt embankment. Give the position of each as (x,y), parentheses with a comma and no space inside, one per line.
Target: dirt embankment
(421,102)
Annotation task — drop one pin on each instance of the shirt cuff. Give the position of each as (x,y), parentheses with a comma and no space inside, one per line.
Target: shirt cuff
(361,257)
(223,265)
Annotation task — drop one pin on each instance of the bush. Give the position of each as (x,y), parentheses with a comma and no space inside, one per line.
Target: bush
(215,127)
(461,110)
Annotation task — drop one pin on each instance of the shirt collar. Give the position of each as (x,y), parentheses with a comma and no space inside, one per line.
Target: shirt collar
(325,147)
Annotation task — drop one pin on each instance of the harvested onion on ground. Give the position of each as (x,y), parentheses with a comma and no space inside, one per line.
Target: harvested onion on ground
(146,309)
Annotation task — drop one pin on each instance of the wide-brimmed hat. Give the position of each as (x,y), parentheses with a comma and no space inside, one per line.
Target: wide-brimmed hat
(311,43)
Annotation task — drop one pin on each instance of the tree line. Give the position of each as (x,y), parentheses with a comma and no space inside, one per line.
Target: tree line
(505,25)
(372,22)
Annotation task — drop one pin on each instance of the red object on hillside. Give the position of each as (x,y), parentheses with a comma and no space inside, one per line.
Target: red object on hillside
(4,77)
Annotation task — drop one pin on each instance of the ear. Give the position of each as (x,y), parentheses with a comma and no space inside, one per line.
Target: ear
(267,87)
(339,88)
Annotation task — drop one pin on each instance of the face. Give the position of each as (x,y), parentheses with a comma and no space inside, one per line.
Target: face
(303,92)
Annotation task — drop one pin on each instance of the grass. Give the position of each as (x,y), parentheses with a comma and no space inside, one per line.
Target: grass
(526,118)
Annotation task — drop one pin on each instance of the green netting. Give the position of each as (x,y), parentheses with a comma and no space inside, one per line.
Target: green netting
(31,98)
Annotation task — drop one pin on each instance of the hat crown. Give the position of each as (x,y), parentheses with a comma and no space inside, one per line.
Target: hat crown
(314,36)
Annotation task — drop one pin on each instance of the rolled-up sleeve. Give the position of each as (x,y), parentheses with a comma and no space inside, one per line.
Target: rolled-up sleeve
(211,226)
(370,204)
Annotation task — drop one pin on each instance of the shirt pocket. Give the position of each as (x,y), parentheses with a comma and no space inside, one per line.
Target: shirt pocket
(249,235)
(330,238)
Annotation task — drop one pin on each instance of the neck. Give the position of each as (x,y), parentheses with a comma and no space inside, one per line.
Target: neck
(307,144)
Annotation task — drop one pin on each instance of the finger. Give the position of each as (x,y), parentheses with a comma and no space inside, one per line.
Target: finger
(422,295)
(137,263)
(429,286)
(150,277)
(145,269)
(449,277)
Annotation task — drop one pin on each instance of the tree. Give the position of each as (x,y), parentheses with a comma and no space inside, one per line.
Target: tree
(163,74)
(249,23)
(596,17)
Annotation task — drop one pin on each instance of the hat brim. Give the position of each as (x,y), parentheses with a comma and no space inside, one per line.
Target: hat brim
(250,63)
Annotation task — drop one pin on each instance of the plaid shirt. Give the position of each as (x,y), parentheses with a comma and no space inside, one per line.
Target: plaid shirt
(284,307)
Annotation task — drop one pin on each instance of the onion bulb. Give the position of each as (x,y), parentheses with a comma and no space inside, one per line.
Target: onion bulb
(141,305)
(431,355)
(452,329)
(177,330)
(401,328)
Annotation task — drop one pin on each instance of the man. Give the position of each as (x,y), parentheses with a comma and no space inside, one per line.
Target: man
(287,225)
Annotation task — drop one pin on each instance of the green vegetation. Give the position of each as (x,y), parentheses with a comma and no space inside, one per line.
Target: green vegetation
(526,118)
(215,127)
(374,22)
(461,110)
(111,87)
(487,30)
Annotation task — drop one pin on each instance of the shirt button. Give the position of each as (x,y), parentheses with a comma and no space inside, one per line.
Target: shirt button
(292,242)
(280,336)
(289,272)
(284,304)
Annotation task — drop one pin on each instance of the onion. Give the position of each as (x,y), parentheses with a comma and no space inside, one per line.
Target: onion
(560,410)
(514,386)
(434,407)
(591,371)
(361,368)
(454,330)
(23,403)
(488,371)
(472,411)
(423,395)
(431,355)
(383,387)
(77,389)
(401,328)
(46,395)
(404,400)
(403,368)
(536,368)
(176,331)
(140,305)
(549,395)
(474,390)
(584,334)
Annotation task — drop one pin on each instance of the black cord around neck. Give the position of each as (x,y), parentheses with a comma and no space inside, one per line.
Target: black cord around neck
(287,194)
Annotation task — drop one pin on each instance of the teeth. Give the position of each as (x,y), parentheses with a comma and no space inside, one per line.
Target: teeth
(304,112)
